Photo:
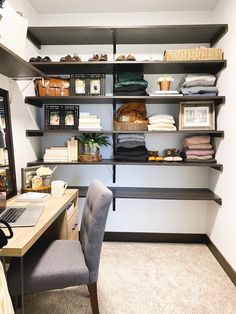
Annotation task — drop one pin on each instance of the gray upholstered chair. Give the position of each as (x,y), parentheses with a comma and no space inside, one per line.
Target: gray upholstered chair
(66,263)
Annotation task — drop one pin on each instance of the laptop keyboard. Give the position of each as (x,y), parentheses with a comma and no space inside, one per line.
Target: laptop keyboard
(11,215)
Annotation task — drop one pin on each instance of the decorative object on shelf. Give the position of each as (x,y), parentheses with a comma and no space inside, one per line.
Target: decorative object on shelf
(164,82)
(91,143)
(71,117)
(26,176)
(61,117)
(53,117)
(3,178)
(78,84)
(56,154)
(46,175)
(131,116)
(88,84)
(197,115)
(198,148)
(201,53)
(35,177)
(96,84)
(52,87)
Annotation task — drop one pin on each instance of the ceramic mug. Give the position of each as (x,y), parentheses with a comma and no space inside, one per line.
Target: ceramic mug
(58,187)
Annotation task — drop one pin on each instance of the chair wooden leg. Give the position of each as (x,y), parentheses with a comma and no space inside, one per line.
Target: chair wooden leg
(92,288)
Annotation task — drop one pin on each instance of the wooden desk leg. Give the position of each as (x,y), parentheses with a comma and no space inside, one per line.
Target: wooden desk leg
(22,284)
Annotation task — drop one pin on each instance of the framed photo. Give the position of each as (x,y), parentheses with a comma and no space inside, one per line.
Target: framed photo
(79,84)
(96,84)
(53,117)
(197,115)
(71,117)
(26,176)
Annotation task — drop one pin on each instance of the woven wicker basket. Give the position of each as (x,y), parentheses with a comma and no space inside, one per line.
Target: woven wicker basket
(193,54)
(130,126)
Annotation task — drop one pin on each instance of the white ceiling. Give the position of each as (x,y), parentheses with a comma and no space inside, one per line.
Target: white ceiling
(83,6)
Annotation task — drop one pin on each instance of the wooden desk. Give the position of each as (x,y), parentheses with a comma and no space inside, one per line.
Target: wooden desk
(55,222)
(54,217)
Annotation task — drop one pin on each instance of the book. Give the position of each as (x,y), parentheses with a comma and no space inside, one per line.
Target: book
(33,197)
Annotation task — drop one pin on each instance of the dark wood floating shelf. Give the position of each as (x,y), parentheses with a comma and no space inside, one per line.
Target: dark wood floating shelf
(106,162)
(147,67)
(31,133)
(15,67)
(161,34)
(159,193)
(40,101)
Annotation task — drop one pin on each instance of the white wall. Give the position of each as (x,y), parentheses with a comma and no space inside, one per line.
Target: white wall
(221,222)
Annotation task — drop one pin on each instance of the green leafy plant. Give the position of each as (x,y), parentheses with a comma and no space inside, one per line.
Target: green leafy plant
(93,139)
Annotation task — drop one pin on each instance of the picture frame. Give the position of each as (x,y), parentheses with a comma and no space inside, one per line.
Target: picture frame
(197,115)
(78,84)
(71,117)
(96,84)
(53,117)
(27,174)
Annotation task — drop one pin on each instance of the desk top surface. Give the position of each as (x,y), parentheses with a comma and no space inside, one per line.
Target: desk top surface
(25,237)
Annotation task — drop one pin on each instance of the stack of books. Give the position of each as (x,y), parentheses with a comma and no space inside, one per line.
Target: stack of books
(56,154)
(89,122)
(62,153)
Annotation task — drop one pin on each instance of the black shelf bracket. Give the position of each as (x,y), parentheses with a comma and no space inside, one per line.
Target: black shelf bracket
(218,167)
(114,174)
(114,204)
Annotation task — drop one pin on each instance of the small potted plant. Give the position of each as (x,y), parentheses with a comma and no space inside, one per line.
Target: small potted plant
(91,143)
(164,82)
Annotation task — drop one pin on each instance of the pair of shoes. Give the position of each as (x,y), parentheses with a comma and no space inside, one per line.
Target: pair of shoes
(124,58)
(154,156)
(40,59)
(69,58)
(172,154)
(97,57)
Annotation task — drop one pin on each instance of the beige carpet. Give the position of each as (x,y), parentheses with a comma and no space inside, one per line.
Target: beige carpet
(148,278)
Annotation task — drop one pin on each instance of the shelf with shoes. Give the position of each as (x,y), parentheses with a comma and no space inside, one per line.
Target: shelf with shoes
(13,66)
(164,34)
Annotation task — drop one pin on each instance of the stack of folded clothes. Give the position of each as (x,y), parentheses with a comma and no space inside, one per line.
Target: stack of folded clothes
(199,84)
(130,83)
(161,122)
(198,148)
(131,147)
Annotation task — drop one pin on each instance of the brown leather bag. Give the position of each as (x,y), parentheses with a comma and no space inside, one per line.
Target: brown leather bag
(52,87)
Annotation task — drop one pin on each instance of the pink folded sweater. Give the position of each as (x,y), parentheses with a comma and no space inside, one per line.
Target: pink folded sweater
(199,152)
(198,139)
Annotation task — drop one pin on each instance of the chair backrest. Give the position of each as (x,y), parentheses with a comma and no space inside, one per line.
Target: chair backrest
(96,207)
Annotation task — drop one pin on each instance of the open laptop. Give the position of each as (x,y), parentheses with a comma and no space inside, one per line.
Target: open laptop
(21,216)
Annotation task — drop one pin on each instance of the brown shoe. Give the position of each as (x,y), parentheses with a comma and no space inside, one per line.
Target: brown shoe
(94,58)
(103,57)
(76,57)
(130,58)
(121,58)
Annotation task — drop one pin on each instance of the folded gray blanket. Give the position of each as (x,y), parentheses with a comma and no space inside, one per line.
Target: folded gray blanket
(199,90)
